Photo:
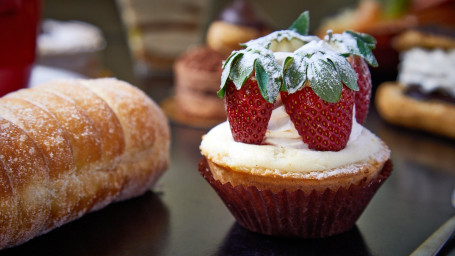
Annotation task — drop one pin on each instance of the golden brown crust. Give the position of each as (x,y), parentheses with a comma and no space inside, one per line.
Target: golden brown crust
(428,115)
(29,181)
(275,183)
(225,37)
(73,146)
(414,38)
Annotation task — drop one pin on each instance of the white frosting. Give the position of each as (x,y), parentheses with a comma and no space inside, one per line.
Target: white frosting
(66,37)
(219,146)
(281,131)
(429,69)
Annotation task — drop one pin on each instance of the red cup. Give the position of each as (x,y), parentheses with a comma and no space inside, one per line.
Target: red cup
(19,21)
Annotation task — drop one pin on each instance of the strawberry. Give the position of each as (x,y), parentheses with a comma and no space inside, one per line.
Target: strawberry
(322,125)
(362,97)
(248,112)
(317,83)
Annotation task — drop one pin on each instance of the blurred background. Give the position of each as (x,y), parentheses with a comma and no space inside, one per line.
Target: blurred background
(122,20)
(174,48)
(158,31)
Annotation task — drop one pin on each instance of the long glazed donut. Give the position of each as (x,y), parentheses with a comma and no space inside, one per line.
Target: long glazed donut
(69,147)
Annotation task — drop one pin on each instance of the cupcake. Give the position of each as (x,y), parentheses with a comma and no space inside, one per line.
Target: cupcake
(423,96)
(293,159)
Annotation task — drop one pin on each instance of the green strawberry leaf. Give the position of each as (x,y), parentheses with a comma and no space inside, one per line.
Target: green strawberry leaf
(227,65)
(262,77)
(294,73)
(366,53)
(302,24)
(241,69)
(324,80)
(367,39)
(268,75)
(344,69)
(350,42)
(239,66)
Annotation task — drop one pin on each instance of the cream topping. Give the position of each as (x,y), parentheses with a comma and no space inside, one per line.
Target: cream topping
(430,69)
(219,146)
(281,131)
(68,37)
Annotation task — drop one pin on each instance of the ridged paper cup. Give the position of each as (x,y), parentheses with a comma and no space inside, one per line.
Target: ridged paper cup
(296,213)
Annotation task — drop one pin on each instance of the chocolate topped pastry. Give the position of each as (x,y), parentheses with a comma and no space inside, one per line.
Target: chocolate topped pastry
(241,13)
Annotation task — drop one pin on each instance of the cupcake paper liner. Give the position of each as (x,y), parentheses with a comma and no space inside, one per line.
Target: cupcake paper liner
(296,213)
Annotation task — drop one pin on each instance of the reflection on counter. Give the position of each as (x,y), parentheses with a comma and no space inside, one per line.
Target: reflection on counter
(240,241)
(430,150)
(135,227)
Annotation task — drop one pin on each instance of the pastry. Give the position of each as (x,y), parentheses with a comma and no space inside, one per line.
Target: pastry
(428,37)
(197,71)
(382,20)
(197,79)
(69,147)
(236,24)
(423,97)
(71,45)
(293,159)
(387,19)
(159,31)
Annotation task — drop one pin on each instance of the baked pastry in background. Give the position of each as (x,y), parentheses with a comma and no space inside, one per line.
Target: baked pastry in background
(71,45)
(70,147)
(159,31)
(237,23)
(427,37)
(384,20)
(423,97)
(292,160)
(197,79)
(197,72)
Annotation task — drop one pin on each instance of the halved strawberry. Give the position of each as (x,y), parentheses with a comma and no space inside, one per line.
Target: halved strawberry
(247,111)
(316,82)
(362,96)
(322,125)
